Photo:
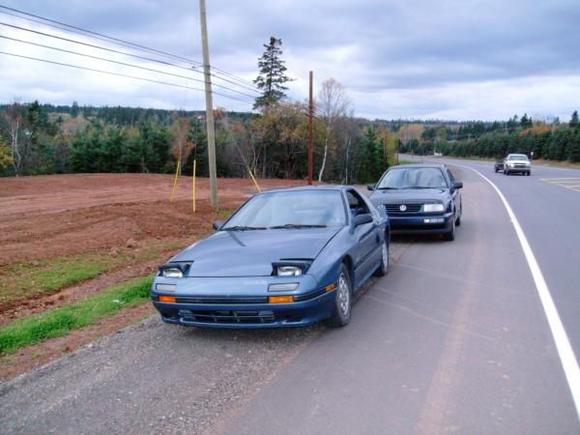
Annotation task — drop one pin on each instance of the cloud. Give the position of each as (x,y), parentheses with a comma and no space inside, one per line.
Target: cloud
(421,59)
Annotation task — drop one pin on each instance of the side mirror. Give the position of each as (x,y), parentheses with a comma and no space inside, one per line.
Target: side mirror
(370,187)
(458,185)
(218,224)
(362,219)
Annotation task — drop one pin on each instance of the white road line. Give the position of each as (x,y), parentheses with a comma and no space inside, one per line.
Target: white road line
(563,346)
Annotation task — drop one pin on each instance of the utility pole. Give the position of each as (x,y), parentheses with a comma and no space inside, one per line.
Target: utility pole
(208,109)
(310,115)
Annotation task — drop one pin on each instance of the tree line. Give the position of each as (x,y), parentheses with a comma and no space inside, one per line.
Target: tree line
(270,142)
(551,141)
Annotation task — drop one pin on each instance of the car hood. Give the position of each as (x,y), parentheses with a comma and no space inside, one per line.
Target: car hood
(251,253)
(409,196)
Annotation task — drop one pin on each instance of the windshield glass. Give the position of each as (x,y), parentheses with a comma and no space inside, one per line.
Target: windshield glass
(517,157)
(413,178)
(308,208)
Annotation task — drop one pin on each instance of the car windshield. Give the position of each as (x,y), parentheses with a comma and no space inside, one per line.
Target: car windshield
(290,209)
(517,157)
(413,178)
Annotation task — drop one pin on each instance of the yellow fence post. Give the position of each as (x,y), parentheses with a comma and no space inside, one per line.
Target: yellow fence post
(193,185)
(175,180)
(254,180)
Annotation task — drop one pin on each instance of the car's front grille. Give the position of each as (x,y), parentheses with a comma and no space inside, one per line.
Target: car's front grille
(402,208)
(231,317)
(520,166)
(222,300)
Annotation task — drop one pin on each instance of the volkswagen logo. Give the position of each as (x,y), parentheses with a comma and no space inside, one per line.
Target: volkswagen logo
(403,207)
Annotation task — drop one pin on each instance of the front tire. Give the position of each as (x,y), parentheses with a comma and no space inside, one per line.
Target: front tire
(450,235)
(383,268)
(342,299)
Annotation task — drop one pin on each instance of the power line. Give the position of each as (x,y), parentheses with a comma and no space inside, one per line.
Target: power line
(101,35)
(121,63)
(114,74)
(75,29)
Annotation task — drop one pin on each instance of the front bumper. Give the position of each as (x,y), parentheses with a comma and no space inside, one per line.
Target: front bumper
(249,315)
(421,223)
(518,168)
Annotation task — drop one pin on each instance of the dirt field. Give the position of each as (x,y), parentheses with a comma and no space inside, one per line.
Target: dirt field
(126,216)
(125,223)
(58,215)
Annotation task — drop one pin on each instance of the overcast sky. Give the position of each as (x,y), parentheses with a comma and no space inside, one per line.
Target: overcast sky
(421,59)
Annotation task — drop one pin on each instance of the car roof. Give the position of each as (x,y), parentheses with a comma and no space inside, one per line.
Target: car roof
(336,187)
(420,165)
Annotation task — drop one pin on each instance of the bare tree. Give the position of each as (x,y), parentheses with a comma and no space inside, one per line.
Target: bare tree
(181,143)
(334,104)
(13,117)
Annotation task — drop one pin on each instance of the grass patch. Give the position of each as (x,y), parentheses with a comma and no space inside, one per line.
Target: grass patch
(23,280)
(60,321)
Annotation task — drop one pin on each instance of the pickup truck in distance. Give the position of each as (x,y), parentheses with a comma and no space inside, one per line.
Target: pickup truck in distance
(514,163)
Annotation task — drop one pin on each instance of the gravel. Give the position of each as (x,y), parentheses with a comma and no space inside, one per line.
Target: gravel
(151,378)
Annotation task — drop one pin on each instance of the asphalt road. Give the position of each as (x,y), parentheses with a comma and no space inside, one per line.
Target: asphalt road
(453,340)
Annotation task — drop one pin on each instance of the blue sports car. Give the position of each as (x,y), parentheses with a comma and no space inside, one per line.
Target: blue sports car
(285,258)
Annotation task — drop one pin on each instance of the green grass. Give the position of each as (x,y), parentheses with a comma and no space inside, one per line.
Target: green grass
(60,321)
(50,275)
(24,280)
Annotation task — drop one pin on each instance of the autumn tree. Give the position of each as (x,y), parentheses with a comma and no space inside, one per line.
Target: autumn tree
(272,76)
(410,132)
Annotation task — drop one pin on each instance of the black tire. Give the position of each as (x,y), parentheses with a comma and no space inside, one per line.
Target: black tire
(383,268)
(450,235)
(506,172)
(496,169)
(342,308)
(529,173)
(458,220)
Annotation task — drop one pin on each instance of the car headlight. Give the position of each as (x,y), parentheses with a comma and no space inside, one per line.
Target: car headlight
(174,270)
(510,164)
(433,208)
(290,268)
(289,271)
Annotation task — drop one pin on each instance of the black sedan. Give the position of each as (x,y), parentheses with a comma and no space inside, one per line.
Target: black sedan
(421,198)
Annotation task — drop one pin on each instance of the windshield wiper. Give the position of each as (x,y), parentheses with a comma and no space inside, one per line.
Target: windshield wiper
(387,188)
(293,226)
(242,228)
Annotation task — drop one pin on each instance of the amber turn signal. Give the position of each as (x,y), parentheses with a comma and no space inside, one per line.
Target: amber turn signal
(168,299)
(330,287)
(280,299)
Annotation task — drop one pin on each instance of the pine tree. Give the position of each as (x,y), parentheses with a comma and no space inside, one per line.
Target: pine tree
(574,120)
(272,75)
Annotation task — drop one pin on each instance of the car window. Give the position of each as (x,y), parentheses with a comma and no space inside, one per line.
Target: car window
(450,175)
(517,157)
(300,207)
(356,204)
(413,178)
